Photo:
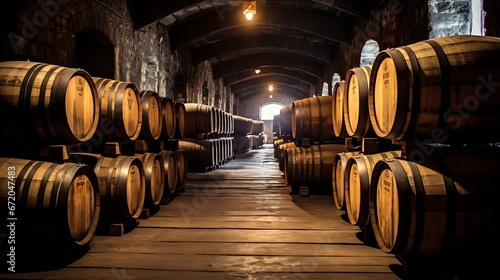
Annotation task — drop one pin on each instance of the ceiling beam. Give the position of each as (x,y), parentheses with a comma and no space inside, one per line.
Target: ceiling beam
(274,79)
(298,63)
(283,89)
(328,27)
(231,45)
(249,73)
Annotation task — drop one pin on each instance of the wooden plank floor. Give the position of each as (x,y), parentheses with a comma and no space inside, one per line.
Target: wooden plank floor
(236,222)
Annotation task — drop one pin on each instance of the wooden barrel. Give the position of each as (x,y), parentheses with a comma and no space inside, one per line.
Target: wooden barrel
(231,124)
(339,165)
(356,112)
(199,119)
(242,125)
(357,178)
(199,154)
(171,172)
(339,128)
(291,167)
(282,149)
(168,119)
(276,125)
(257,127)
(312,118)
(180,120)
(447,204)
(122,186)
(152,115)
(154,175)
(438,88)
(286,121)
(230,143)
(316,167)
(121,108)
(56,204)
(242,143)
(182,168)
(276,143)
(47,103)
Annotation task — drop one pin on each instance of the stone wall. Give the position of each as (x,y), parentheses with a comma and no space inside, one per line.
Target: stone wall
(46,31)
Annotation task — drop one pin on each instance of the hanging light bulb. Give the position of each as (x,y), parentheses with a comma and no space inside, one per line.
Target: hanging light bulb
(270,96)
(257,70)
(249,9)
(271,87)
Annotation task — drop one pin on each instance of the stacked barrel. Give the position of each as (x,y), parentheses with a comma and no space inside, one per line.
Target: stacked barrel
(433,96)
(209,142)
(258,136)
(419,170)
(101,154)
(306,145)
(54,206)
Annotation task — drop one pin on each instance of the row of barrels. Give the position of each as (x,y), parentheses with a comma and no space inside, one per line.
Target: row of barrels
(439,90)
(207,154)
(60,105)
(59,206)
(207,120)
(445,205)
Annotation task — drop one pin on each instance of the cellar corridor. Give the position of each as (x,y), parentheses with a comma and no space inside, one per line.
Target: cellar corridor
(236,222)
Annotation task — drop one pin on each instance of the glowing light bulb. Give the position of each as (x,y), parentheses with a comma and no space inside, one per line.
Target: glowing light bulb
(249,16)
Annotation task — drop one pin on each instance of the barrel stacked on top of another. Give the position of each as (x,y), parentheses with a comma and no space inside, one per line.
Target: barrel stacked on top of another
(209,137)
(432,95)
(47,103)
(438,90)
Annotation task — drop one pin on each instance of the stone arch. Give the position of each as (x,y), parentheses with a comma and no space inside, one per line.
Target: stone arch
(94,53)
(269,109)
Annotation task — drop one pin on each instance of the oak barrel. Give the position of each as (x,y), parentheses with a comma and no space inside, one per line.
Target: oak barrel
(276,125)
(257,127)
(152,115)
(171,172)
(168,118)
(199,153)
(356,112)
(154,175)
(47,103)
(122,186)
(440,88)
(291,167)
(180,120)
(121,107)
(55,204)
(286,121)
(339,128)
(338,188)
(200,119)
(316,167)
(282,149)
(357,178)
(182,168)
(312,118)
(447,204)
(242,125)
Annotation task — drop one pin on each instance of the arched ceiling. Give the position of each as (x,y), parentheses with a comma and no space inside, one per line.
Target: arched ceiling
(292,41)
